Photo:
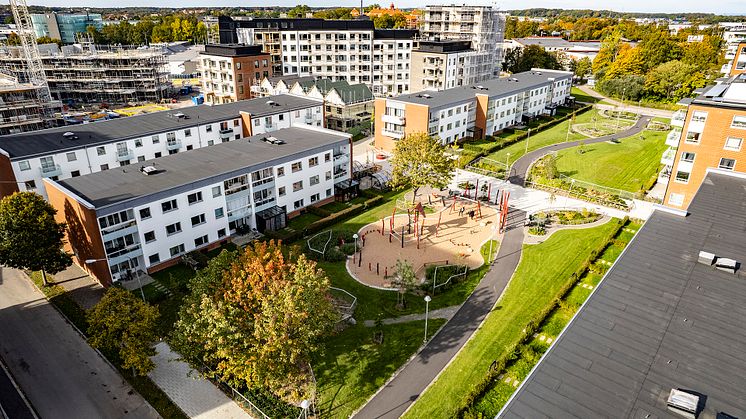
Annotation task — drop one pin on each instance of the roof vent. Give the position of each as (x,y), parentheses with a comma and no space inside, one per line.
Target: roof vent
(148,170)
(706,258)
(70,135)
(726,265)
(683,403)
(180,115)
(273,140)
(271,103)
(480,87)
(426,96)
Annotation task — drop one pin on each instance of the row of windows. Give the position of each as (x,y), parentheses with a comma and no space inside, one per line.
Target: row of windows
(738,121)
(683,176)
(175,228)
(179,249)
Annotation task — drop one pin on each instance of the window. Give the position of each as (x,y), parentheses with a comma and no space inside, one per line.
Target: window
(687,157)
(692,137)
(313,161)
(281,117)
(726,164)
(158,154)
(298,204)
(327,157)
(75,173)
(149,236)
(314,197)
(676,199)
(187,132)
(140,159)
(257,122)
(221,233)
(682,177)
(156,140)
(145,213)
(219,212)
(297,186)
(169,205)
(732,143)
(138,142)
(328,192)
(738,122)
(296,167)
(101,151)
(699,116)
(198,219)
(314,180)
(281,191)
(29,185)
(176,250)
(200,241)
(280,171)
(104,167)
(72,156)
(235,122)
(208,128)
(193,198)
(24,165)
(173,228)
(154,258)
(216,191)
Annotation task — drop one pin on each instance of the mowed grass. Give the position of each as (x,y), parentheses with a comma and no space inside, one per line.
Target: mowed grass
(351,366)
(581,96)
(544,269)
(628,165)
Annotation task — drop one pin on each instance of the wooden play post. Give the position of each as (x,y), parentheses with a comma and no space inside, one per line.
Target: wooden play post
(402,237)
(476,190)
(383,227)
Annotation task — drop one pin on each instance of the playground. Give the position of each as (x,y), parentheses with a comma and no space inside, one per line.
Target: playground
(450,232)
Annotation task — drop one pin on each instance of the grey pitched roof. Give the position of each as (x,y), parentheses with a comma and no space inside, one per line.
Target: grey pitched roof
(659,320)
(354,93)
(196,168)
(492,87)
(545,41)
(49,141)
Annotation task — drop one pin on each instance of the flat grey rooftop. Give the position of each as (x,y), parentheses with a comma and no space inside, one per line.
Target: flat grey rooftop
(189,170)
(659,320)
(494,87)
(49,141)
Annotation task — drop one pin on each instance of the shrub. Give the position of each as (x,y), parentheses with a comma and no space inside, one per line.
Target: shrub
(333,254)
(348,248)
(537,230)
(321,212)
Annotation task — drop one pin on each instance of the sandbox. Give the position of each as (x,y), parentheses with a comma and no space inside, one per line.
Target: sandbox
(451,234)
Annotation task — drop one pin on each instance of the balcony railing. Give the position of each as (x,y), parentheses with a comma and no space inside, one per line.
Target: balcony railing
(668,156)
(173,145)
(672,139)
(393,134)
(226,134)
(677,120)
(50,171)
(125,155)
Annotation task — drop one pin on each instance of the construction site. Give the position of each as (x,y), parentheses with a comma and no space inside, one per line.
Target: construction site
(90,74)
(20,108)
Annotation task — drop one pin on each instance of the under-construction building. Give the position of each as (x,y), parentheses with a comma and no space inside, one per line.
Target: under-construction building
(20,107)
(95,74)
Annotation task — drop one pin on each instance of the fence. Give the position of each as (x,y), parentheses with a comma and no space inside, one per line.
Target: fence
(477,167)
(575,193)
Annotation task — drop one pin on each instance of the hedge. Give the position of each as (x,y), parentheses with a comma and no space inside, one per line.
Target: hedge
(534,324)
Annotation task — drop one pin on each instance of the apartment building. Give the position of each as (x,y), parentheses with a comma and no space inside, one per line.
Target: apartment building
(145,217)
(351,50)
(277,85)
(97,74)
(20,107)
(734,33)
(67,152)
(738,63)
(472,111)
(438,65)
(64,26)
(711,138)
(229,71)
(482,25)
(346,106)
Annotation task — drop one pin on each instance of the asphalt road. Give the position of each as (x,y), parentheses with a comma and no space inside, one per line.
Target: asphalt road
(61,375)
(395,397)
(12,404)
(519,169)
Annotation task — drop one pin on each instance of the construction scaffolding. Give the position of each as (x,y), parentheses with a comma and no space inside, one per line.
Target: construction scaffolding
(93,74)
(20,107)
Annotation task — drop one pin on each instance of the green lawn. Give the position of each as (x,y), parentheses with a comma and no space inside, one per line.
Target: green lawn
(628,165)
(581,96)
(544,269)
(351,367)
(302,221)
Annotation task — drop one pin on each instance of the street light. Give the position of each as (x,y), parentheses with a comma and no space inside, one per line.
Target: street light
(527,137)
(92,261)
(305,404)
(427,308)
(507,166)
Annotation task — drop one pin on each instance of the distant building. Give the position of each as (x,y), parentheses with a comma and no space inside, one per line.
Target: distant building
(412,17)
(229,71)
(64,26)
(20,108)
(566,51)
(438,65)
(734,33)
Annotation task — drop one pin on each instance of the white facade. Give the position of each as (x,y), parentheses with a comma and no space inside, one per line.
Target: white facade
(339,55)
(391,66)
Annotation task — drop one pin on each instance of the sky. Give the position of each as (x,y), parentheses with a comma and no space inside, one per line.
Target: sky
(666,6)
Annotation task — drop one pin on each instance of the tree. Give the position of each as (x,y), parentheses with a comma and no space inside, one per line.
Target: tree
(13,39)
(534,56)
(256,317)
(657,48)
(631,86)
(404,279)
(420,160)
(298,11)
(30,237)
(607,53)
(629,61)
(583,67)
(48,40)
(123,324)
(673,80)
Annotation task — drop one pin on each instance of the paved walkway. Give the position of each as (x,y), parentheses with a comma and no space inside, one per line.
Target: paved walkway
(196,396)
(532,239)
(61,375)
(406,386)
(441,313)
(615,104)
(80,286)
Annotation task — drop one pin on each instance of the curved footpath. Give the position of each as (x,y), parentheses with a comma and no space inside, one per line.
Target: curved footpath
(519,169)
(398,394)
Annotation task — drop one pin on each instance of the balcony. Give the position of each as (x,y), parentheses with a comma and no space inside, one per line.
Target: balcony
(393,134)
(338,173)
(226,134)
(173,145)
(677,120)
(668,156)
(125,155)
(310,119)
(672,139)
(341,158)
(393,119)
(50,171)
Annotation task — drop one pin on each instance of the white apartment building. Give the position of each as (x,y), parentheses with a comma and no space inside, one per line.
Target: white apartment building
(482,25)
(392,52)
(145,218)
(733,34)
(72,151)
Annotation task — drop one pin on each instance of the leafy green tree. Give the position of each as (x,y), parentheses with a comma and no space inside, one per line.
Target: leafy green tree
(631,86)
(298,11)
(388,21)
(657,47)
(48,40)
(256,317)
(673,80)
(420,160)
(123,324)
(13,39)
(30,237)
(582,67)
(534,56)
(404,279)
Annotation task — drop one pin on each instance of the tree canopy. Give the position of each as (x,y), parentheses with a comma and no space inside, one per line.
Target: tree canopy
(532,56)
(419,160)
(30,237)
(168,28)
(256,316)
(124,325)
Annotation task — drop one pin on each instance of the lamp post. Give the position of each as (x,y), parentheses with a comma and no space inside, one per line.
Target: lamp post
(354,236)
(507,166)
(304,405)
(527,137)
(427,308)
(142,293)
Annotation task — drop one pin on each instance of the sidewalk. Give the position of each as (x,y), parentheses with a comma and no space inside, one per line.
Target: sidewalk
(80,286)
(196,396)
